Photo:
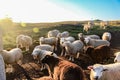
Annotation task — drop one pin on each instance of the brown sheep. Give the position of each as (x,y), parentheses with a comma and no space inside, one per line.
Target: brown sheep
(62,69)
(99,53)
(46,77)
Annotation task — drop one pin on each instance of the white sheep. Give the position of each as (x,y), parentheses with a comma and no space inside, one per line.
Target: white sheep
(38,52)
(51,41)
(24,41)
(81,35)
(87,27)
(96,42)
(106,36)
(44,47)
(13,56)
(70,38)
(53,33)
(103,24)
(2,69)
(63,34)
(117,57)
(73,48)
(105,72)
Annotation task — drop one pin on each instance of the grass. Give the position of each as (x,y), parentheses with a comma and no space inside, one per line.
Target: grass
(36,30)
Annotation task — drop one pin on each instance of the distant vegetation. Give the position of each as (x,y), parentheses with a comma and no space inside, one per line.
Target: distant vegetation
(11,29)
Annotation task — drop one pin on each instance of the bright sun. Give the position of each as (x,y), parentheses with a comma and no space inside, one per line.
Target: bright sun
(35,11)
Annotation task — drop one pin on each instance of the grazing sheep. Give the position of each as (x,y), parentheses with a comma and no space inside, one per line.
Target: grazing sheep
(74,47)
(44,47)
(36,52)
(96,42)
(81,35)
(106,36)
(103,24)
(2,69)
(63,34)
(24,41)
(62,69)
(51,41)
(12,56)
(117,57)
(70,38)
(105,72)
(87,27)
(53,33)
(99,53)
(41,47)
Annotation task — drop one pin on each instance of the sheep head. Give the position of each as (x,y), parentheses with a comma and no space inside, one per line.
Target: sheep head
(87,40)
(96,71)
(117,57)
(49,58)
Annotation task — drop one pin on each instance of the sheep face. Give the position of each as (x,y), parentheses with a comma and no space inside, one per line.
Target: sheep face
(87,40)
(96,72)
(66,43)
(42,39)
(62,40)
(117,58)
(35,53)
(46,59)
(49,58)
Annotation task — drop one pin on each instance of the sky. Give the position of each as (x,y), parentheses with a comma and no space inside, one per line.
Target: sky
(59,10)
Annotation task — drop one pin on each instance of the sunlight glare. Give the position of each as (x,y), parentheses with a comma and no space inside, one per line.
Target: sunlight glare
(35,30)
(23,24)
(38,11)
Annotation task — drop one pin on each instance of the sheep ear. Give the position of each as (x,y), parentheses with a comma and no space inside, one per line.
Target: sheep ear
(90,67)
(105,69)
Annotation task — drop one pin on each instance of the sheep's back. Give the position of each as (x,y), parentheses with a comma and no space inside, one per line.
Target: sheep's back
(70,71)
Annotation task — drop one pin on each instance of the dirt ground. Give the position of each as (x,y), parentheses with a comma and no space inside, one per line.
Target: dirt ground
(33,70)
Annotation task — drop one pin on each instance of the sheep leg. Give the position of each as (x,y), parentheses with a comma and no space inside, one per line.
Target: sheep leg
(63,51)
(70,58)
(27,48)
(78,54)
(19,62)
(42,66)
(54,48)
(9,68)
(61,54)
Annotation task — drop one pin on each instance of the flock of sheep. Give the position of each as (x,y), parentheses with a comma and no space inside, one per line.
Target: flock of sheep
(50,56)
(87,27)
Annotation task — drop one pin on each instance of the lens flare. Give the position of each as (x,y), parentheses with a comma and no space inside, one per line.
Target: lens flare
(35,30)
(23,24)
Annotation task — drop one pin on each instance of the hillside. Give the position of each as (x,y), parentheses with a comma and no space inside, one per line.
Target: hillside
(35,30)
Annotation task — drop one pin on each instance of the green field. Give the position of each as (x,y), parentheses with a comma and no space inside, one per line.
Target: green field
(36,30)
